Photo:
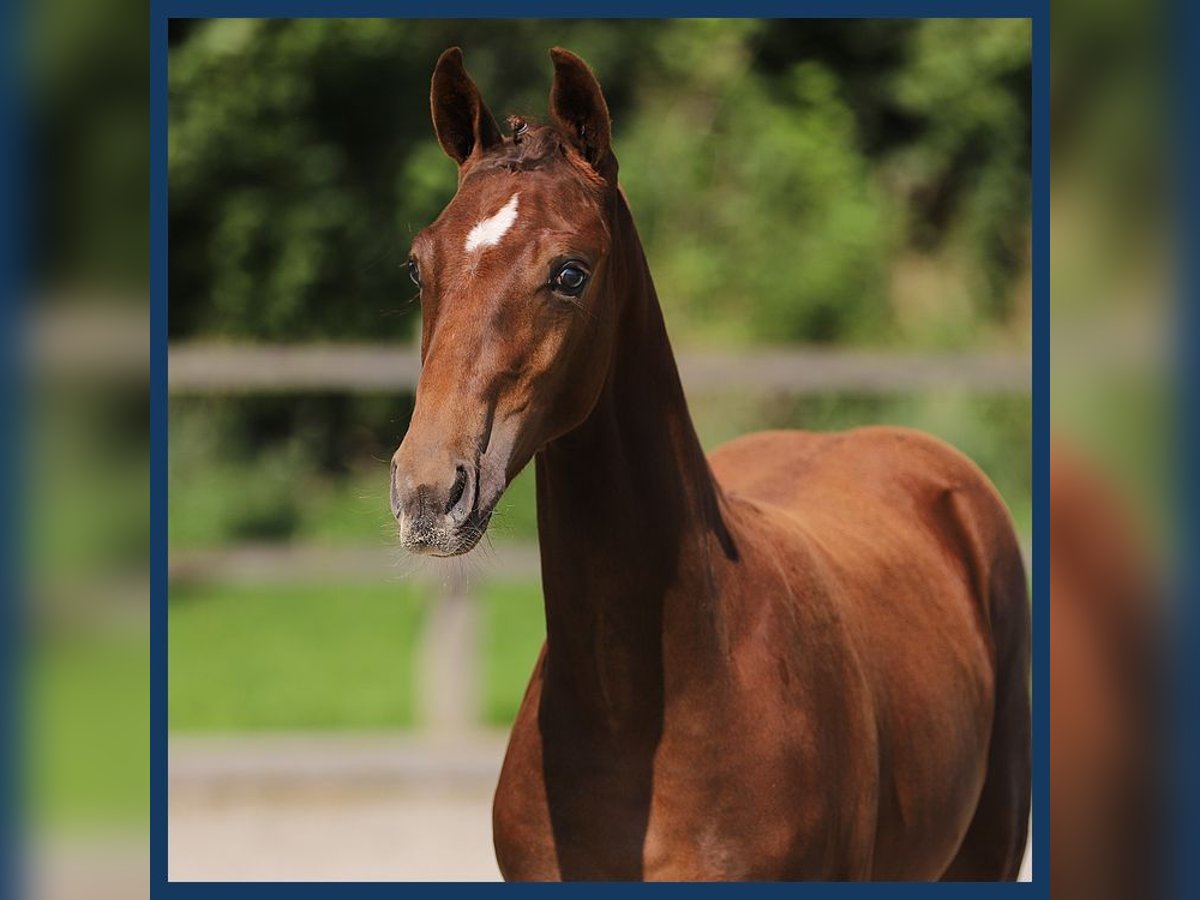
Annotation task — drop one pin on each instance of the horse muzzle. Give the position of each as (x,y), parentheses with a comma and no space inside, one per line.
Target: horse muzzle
(436,507)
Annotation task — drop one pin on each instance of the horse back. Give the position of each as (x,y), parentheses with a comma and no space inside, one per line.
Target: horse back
(870,498)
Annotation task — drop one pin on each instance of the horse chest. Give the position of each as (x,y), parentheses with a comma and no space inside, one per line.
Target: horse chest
(612,821)
(683,808)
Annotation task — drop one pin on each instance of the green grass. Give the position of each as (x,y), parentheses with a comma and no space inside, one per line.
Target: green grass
(330,657)
(292,657)
(87,743)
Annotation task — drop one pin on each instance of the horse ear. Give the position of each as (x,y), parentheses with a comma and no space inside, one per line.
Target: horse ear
(578,107)
(461,120)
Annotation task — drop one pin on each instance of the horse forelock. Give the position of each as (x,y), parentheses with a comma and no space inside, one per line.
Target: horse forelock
(535,146)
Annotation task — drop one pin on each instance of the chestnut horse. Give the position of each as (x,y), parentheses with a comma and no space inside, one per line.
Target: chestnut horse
(805,657)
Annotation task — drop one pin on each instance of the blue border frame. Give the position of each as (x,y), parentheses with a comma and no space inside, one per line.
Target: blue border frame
(158,448)
(14,165)
(1183,682)
(1037,11)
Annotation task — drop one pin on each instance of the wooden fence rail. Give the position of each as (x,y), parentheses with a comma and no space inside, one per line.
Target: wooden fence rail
(215,368)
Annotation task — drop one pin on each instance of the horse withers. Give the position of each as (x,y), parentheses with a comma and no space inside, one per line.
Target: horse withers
(804,657)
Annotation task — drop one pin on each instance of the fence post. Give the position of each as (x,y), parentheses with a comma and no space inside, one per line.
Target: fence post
(449,678)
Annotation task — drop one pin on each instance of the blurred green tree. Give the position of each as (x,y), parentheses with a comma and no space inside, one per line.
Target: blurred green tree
(782,172)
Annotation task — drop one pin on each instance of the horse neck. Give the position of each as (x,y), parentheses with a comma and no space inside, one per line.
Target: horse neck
(627,516)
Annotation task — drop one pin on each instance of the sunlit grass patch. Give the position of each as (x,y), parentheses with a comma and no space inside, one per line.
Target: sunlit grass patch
(253,657)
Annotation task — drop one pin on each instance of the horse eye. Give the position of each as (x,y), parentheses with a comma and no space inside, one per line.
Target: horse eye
(570,279)
(414,272)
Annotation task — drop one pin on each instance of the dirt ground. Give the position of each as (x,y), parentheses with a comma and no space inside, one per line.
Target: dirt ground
(360,808)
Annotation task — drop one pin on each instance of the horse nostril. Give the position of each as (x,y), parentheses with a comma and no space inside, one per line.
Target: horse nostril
(456,492)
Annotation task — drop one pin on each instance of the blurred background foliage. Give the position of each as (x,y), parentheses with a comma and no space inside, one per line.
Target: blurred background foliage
(792,180)
(841,183)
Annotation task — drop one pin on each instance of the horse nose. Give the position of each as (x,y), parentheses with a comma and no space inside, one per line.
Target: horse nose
(432,500)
